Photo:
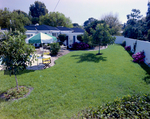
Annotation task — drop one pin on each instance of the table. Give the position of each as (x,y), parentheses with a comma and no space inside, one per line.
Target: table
(40,57)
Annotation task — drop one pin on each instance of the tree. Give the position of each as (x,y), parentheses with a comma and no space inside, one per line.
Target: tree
(15,53)
(89,21)
(13,20)
(101,36)
(148,17)
(113,22)
(135,14)
(54,48)
(62,37)
(92,25)
(76,25)
(80,37)
(37,9)
(136,26)
(18,21)
(21,12)
(55,19)
(5,16)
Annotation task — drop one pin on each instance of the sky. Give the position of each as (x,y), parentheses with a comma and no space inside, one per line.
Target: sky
(80,10)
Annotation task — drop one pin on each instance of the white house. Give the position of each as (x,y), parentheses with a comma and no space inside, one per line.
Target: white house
(55,31)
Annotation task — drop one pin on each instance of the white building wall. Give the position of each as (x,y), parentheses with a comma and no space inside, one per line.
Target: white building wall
(70,38)
(119,39)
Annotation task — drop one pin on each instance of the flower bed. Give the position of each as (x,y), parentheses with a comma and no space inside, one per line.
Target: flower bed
(138,57)
(80,46)
(128,48)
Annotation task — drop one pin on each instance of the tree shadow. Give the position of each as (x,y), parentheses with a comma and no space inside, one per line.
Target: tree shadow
(147,79)
(89,57)
(19,73)
(147,69)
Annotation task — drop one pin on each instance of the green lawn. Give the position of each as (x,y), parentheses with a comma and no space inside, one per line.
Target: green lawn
(78,80)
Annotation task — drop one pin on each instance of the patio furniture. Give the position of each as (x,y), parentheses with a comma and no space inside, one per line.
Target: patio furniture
(46,53)
(46,62)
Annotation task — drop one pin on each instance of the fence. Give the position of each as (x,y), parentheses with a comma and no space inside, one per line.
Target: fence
(141,46)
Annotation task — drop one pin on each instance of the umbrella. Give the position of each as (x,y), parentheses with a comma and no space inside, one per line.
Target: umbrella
(41,38)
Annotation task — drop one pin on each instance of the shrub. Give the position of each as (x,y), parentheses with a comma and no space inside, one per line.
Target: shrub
(62,37)
(80,38)
(123,43)
(134,46)
(128,48)
(54,48)
(80,46)
(138,57)
(135,106)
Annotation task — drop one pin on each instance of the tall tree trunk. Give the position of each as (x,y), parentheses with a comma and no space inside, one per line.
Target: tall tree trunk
(99,49)
(16,81)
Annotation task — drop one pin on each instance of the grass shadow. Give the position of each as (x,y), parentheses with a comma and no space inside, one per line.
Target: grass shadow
(89,57)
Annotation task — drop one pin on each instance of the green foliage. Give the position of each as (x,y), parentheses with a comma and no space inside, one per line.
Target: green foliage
(135,106)
(135,14)
(15,53)
(4,18)
(88,39)
(62,37)
(135,27)
(89,21)
(55,19)
(148,35)
(101,36)
(123,43)
(80,37)
(54,48)
(148,16)
(13,20)
(15,94)
(21,12)
(38,9)
(76,25)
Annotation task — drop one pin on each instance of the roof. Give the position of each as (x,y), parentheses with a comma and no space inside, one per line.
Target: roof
(77,30)
(63,28)
(40,27)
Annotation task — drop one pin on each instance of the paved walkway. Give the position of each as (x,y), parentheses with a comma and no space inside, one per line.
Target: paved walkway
(37,65)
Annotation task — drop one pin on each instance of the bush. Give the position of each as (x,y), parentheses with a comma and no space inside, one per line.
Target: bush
(80,46)
(54,48)
(62,37)
(123,43)
(80,38)
(128,48)
(138,57)
(133,107)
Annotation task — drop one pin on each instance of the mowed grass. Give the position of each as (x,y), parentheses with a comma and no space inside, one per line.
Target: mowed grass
(78,80)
